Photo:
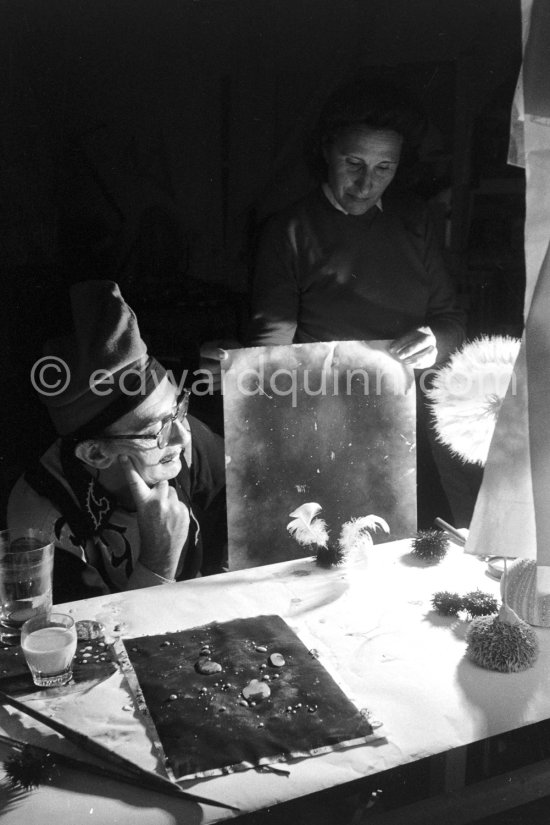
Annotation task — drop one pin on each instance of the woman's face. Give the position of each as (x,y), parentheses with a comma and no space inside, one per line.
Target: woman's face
(152,463)
(361,165)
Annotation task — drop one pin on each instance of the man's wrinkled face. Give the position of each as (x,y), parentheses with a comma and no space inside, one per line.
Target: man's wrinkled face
(361,165)
(154,464)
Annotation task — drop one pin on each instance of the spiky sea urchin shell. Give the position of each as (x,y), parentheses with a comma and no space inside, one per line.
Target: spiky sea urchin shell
(430,545)
(446,603)
(331,556)
(505,642)
(477,603)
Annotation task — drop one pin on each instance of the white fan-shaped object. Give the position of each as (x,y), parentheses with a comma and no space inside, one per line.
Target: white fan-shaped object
(521,593)
(467,394)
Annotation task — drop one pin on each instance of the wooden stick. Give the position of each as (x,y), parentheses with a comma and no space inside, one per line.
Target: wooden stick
(452,531)
(154,780)
(77,764)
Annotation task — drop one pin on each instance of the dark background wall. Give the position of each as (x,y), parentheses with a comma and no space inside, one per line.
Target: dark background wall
(145,141)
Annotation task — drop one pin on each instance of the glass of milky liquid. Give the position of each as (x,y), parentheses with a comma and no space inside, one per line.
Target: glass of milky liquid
(26,567)
(49,645)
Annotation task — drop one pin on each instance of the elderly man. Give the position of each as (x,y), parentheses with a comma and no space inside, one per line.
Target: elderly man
(133,490)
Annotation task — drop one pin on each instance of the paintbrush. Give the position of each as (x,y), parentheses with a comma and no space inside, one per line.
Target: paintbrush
(140,776)
(77,764)
(457,537)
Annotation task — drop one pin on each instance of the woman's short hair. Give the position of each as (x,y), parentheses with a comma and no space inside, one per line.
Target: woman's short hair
(368,104)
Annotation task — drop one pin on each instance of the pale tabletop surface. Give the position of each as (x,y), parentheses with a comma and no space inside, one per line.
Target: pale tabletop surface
(374,631)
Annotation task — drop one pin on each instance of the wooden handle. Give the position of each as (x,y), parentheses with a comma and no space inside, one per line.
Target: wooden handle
(452,531)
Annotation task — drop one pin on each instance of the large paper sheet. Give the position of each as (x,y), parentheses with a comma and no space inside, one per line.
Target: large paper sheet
(331,422)
(511,515)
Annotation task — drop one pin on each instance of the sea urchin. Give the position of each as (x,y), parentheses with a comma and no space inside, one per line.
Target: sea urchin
(430,545)
(446,603)
(505,642)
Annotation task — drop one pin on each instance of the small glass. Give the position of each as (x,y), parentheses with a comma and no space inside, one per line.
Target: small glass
(49,645)
(26,568)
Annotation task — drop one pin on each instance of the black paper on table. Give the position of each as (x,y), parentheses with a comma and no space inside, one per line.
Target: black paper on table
(201,721)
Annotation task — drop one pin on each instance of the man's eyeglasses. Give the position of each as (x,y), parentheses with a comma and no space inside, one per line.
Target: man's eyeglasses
(163,436)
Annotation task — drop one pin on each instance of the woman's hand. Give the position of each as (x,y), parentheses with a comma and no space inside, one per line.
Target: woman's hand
(417,348)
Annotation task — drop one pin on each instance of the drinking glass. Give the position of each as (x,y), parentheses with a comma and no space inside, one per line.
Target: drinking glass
(26,568)
(49,645)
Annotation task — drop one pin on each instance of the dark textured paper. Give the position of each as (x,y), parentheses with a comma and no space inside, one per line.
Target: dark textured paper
(201,721)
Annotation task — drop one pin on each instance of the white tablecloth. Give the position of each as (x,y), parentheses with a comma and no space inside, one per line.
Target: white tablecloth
(375,632)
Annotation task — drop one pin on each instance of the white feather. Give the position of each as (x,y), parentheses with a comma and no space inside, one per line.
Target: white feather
(306,511)
(356,533)
(307,529)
